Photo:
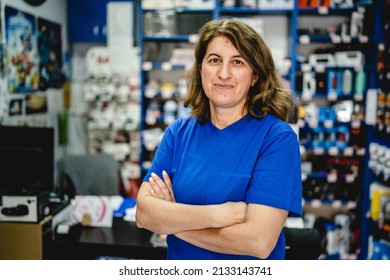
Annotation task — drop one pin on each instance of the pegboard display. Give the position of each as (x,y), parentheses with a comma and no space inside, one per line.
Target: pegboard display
(113,115)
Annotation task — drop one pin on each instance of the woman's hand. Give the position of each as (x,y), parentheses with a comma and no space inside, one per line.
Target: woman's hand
(230,213)
(162,188)
(225,214)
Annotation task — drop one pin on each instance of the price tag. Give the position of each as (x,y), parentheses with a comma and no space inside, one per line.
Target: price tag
(355,124)
(323,10)
(358,97)
(333,151)
(150,93)
(346,39)
(316,203)
(166,66)
(336,204)
(363,39)
(147,66)
(361,151)
(348,151)
(332,178)
(336,39)
(332,96)
(351,205)
(319,151)
(328,124)
(306,96)
(304,39)
(193,38)
(350,178)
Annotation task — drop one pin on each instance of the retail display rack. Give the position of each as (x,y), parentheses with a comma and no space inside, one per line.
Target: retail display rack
(327,52)
(334,55)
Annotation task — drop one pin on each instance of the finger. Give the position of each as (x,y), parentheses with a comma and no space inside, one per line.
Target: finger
(163,188)
(168,182)
(155,191)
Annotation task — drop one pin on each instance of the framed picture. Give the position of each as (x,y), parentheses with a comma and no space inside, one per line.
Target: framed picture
(50,55)
(21,43)
(36,104)
(16,106)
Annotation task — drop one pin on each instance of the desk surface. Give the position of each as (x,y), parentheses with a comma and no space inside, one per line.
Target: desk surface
(126,240)
(123,240)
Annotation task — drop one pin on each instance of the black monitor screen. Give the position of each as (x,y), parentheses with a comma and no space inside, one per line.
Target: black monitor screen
(26,159)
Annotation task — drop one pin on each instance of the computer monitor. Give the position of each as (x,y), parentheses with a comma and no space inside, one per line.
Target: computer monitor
(26,159)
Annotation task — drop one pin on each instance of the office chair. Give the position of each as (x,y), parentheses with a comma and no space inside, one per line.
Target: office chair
(91,174)
(302,243)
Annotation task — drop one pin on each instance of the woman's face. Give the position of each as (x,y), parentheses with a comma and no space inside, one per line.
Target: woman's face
(226,75)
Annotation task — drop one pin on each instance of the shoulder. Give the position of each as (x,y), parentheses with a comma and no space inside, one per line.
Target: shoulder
(278,132)
(276,126)
(183,122)
(181,125)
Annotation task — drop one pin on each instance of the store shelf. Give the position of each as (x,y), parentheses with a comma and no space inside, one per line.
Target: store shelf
(169,38)
(254,11)
(334,34)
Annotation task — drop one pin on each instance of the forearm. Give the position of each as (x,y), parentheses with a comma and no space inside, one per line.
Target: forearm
(235,239)
(169,217)
(257,236)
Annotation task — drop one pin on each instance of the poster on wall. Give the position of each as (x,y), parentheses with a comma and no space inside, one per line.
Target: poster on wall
(21,44)
(16,106)
(50,54)
(36,104)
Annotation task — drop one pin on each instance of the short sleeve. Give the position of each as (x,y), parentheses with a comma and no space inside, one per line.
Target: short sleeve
(162,159)
(277,178)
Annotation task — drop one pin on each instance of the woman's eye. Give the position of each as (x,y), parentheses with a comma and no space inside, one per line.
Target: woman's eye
(214,60)
(238,62)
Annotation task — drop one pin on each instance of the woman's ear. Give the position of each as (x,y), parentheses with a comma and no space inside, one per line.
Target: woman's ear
(254,80)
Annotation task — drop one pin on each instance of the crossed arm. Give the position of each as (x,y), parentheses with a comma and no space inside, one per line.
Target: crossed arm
(230,228)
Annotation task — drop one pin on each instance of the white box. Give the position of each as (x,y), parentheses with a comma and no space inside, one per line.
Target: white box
(24,207)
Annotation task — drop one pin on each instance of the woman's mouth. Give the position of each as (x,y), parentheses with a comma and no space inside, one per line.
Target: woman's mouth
(224,86)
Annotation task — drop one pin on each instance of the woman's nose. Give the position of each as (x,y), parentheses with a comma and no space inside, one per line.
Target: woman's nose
(224,71)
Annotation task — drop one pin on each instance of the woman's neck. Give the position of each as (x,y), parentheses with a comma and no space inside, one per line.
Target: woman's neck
(223,117)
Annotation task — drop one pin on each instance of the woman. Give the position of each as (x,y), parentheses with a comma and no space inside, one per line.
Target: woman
(224,180)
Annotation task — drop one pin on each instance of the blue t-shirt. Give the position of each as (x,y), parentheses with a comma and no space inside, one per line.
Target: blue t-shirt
(252,160)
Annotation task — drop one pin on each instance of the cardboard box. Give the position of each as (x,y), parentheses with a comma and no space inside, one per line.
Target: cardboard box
(25,241)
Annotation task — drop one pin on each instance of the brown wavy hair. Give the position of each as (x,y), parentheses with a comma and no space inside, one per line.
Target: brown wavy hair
(268,96)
